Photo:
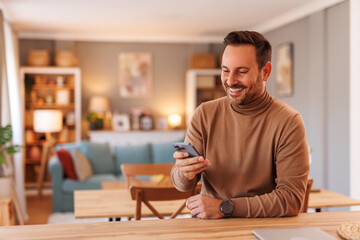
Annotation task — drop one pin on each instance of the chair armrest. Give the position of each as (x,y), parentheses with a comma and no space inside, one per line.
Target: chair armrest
(56,172)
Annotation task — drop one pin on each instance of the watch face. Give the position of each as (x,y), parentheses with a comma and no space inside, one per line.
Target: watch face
(227,207)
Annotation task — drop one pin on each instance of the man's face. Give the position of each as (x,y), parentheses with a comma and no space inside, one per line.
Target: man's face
(240,76)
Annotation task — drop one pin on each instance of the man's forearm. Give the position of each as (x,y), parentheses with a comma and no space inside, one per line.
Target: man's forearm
(180,182)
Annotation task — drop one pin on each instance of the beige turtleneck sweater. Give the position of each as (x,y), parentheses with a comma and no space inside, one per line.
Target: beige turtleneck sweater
(258,153)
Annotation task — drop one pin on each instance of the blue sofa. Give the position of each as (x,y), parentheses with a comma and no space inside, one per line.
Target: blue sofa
(105,163)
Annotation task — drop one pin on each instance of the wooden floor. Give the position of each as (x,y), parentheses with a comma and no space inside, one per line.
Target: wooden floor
(38,209)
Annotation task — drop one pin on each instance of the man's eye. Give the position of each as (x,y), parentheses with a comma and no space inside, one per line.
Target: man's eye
(242,72)
(225,70)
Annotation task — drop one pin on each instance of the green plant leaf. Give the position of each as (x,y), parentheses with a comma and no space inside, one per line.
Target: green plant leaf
(5,134)
(2,158)
(13,149)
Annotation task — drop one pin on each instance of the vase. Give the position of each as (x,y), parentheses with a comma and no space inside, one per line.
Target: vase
(5,186)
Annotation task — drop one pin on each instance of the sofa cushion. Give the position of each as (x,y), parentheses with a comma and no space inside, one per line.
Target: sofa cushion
(131,154)
(100,157)
(82,165)
(67,163)
(69,146)
(93,182)
(163,152)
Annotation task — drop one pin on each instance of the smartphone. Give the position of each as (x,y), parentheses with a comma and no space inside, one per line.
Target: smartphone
(186,147)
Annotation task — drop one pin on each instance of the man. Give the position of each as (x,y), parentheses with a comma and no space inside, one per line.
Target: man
(254,154)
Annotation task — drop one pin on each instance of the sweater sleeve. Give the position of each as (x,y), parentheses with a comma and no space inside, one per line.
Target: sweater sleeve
(194,136)
(292,168)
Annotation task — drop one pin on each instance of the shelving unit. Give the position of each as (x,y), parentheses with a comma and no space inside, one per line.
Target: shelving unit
(49,88)
(202,85)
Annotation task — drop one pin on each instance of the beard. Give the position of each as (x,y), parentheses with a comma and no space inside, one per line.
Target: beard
(247,97)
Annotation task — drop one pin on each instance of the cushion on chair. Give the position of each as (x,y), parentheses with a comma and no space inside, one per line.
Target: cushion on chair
(82,165)
(131,154)
(99,155)
(163,152)
(67,163)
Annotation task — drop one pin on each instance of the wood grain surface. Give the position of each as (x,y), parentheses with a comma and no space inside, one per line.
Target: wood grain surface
(191,228)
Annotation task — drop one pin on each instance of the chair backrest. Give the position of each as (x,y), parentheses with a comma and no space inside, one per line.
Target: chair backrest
(307,195)
(146,194)
(130,171)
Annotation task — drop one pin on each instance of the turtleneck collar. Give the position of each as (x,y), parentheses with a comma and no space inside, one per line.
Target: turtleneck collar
(255,107)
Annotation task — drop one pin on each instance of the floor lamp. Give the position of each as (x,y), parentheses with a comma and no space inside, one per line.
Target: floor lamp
(46,121)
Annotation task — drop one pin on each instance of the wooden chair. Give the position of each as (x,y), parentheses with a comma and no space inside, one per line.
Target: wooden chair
(130,171)
(146,194)
(307,195)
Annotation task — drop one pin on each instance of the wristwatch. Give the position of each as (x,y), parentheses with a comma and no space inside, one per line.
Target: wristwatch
(227,208)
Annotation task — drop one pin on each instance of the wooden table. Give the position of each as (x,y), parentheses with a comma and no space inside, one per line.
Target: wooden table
(188,228)
(116,203)
(326,198)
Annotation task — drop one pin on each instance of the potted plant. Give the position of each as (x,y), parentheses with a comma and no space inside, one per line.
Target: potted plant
(6,166)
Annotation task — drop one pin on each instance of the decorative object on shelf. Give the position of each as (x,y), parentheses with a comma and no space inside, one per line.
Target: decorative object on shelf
(65,58)
(98,106)
(174,121)
(63,97)
(162,123)
(135,118)
(29,136)
(146,122)
(135,75)
(35,153)
(70,119)
(38,58)
(284,70)
(60,81)
(121,122)
(49,99)
(40,79)
(203,61)
(46,121)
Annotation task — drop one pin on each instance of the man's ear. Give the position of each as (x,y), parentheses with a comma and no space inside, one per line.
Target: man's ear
(266,70)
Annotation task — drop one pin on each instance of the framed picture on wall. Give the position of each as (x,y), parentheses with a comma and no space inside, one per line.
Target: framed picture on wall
(135,75)
(121,122)
(284,70)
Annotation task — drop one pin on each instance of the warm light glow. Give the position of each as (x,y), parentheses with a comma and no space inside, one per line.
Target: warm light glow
(174,120)
(47,121)
(99,104)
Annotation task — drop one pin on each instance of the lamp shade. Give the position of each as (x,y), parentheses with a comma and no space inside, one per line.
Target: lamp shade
(99,104)
(47,121)
(174,120)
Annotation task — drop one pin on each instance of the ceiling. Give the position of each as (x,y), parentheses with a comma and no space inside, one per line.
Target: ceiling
(152,20)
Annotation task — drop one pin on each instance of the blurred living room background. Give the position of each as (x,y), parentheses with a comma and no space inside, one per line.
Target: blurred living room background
(132,72)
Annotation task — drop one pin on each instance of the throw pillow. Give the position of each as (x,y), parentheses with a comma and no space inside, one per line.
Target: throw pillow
(99,155)
(82,165)
(131,154)
(67,163)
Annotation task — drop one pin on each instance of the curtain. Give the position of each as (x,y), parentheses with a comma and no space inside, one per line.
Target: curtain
(11,101)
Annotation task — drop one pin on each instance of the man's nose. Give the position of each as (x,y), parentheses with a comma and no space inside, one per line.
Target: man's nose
(232,80)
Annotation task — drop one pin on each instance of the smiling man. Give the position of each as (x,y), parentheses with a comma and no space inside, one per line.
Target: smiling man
(254,154)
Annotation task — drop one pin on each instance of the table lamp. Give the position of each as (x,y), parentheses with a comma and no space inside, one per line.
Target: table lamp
(101,107)
(46,121)
(174,120)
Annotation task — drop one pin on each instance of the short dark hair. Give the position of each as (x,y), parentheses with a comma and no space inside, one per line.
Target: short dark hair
(261,44)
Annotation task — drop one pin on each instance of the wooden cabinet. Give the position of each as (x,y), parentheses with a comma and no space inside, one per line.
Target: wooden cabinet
(49,88)
(202,85)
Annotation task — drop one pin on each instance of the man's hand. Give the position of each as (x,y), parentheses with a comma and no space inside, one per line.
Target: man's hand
(190,166)
(204,206)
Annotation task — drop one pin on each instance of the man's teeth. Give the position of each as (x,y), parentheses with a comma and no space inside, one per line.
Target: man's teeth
(236,89)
